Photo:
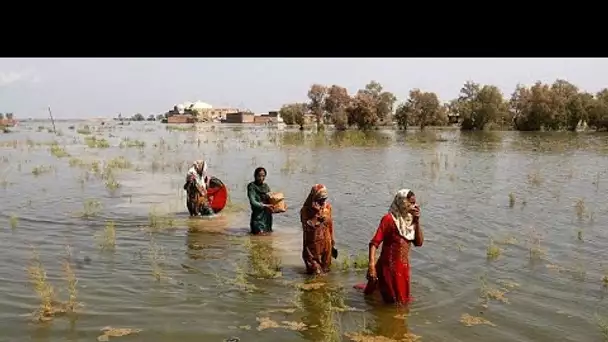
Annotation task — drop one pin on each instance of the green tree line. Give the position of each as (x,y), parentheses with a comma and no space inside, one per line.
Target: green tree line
(550,107)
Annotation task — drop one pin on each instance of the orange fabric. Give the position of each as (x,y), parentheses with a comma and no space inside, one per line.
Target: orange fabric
(318,231)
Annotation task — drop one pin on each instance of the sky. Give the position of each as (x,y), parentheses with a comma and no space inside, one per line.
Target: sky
(105,87)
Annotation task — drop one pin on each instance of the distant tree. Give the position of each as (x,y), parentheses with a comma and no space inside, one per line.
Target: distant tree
(293,113)
(151,117)
(1,116)
(317,95)
(384,101)
(336,104)
(138,117)
(362,111)
(402,114)
(479,106)
(598,113)
(9,116)
(422,109)
(159,117)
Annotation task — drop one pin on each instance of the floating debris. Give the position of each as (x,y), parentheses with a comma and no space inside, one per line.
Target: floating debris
(115,332)
(470,321)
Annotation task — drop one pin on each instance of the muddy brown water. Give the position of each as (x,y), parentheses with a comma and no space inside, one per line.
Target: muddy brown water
(550,265)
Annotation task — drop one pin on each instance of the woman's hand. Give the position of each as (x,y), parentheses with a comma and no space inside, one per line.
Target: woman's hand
(269,207)
(415,211)
(371,273)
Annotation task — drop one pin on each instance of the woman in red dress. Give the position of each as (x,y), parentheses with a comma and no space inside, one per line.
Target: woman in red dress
(397,230)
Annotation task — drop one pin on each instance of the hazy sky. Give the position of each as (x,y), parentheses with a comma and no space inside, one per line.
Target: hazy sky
(79,88)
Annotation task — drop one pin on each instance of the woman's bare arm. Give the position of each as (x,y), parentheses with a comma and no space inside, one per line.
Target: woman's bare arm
(418,234)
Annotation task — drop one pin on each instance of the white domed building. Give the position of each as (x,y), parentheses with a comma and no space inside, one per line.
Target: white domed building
(200,106)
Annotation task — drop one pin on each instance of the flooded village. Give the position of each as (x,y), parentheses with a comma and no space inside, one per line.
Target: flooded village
(96,242)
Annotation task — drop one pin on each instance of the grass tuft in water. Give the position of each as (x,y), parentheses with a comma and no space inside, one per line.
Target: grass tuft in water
(107,239)
(13,221)
(493,251)
(44,290)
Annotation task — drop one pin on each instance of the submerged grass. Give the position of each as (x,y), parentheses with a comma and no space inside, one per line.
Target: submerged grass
(320,304)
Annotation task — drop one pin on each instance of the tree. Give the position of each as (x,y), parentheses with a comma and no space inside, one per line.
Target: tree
(1,116)
(137,117)
(598,111)
(159,117)
(402,115)
(532,107)
(384,101)
(151,117)
(293,113)
(478,106)
(362,111)
(317,95)
(336,103)
(423,109)
(9,116)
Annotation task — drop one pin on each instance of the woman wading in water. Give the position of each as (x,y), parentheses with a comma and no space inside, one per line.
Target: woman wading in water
(261,211)
(397,230)
(318,231)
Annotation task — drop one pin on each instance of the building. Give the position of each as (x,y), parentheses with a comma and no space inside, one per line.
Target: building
(240,117)
(262,119)
(214,114)
(453,118)
(181,119)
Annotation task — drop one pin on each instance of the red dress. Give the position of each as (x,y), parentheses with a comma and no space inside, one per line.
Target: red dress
(393,266)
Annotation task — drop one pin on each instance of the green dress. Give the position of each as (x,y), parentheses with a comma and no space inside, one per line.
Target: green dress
(261,219)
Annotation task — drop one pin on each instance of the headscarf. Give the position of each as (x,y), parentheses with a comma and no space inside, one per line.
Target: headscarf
(311,208)
(202,164)
(403,219)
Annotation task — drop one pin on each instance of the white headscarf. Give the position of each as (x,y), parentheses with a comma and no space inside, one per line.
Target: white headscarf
(201,163)
(403,219)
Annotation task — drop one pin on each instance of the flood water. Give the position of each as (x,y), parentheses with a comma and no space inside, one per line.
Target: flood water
(539,197)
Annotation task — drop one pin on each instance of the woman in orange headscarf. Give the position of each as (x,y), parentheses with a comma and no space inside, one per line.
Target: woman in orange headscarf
(318,236)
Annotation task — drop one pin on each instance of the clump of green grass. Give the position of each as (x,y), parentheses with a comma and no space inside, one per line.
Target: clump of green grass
(126,143)
(58,151)
(158,221)
(358,262)
(580,208)
(38,170)
(534,245)
(239,282)
(107,239)
(77,162)
(94,142)
(86,130)
(603,325)
(72,281)
(91,208)
(511,199)
(14,221)
(264,263)
(44,290)
(119,163)
(493,251)
(112,184)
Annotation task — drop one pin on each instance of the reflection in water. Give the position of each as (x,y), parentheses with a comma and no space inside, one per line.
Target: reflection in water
(200,232)
(321,306)
(389,321)
(263,261)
